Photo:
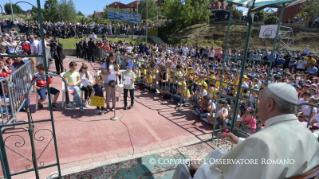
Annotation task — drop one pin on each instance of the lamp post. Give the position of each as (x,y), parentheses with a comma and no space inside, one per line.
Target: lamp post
(58,12)
(11,11)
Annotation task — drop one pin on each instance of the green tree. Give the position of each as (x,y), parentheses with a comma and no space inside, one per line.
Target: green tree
(201,12)
(237,14)
(153,10)
(308,11)
(271,20)
(16,8)
(67,10)
(84,20)
(51,10)
(80,13)
(172,8)
(34,14)
(262,15)
(186,13)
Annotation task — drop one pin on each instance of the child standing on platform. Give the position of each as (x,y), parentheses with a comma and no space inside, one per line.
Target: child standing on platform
(128,78)
(74,80)
(98,90)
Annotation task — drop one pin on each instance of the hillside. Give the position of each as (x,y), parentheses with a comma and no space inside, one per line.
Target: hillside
(212,34)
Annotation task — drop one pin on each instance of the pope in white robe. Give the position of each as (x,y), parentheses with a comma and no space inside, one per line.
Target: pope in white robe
(285,148)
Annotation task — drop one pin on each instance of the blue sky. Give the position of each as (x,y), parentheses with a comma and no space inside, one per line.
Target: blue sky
(85,6)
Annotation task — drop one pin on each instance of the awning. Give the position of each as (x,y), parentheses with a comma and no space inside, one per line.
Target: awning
(261,4)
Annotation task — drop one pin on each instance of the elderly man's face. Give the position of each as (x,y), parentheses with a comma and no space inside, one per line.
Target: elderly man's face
(262,106)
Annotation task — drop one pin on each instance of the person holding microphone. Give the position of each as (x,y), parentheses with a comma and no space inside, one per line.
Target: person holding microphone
(129,79)
(110,70)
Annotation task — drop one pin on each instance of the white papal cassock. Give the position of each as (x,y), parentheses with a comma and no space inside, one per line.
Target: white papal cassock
(284,139)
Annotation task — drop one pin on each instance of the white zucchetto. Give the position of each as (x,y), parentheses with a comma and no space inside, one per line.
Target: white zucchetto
(284,91)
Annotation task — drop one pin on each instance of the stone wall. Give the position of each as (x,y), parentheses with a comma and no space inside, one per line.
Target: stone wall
(69,52)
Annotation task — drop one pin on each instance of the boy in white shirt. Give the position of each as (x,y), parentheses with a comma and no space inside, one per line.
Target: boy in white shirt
(129,79)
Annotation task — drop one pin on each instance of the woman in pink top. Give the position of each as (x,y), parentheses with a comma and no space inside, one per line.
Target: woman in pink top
(250,121)
(219,54)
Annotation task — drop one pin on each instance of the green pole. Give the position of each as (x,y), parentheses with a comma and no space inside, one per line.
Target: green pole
(48,87)
(220,80)
(242,70)
(4,159)
(275,42)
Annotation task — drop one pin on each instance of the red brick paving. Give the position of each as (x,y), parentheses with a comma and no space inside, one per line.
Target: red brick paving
(152,122)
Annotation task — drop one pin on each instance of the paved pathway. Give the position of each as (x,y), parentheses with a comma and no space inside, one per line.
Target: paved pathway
(86,141)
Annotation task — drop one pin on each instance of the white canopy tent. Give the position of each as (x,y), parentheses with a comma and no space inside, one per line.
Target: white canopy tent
(261,4)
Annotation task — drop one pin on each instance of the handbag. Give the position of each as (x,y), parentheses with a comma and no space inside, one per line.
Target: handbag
(112,83)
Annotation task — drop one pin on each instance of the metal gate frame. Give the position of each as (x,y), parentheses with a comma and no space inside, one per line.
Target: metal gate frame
(31,124)
(243,59)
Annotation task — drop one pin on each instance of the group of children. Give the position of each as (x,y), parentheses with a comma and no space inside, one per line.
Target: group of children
(82,80)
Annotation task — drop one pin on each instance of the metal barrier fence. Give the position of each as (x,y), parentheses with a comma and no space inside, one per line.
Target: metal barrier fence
(168,81)
(5,99)
(17,88)
(20,82)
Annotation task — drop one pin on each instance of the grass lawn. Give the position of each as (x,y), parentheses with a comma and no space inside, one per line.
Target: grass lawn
(70,43)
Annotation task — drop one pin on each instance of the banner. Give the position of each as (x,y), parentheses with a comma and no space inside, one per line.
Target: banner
(268,31)
(124,16)
(97,101)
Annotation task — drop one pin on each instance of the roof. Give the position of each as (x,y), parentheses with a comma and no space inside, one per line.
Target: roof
(118,4)
(134,3)
(261,4)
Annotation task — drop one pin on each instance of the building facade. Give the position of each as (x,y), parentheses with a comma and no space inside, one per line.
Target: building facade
(290,12)
(133,5)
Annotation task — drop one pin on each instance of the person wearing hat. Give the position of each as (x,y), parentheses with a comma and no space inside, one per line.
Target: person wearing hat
(245,80)
(277,109)
(128,78)
(182,93)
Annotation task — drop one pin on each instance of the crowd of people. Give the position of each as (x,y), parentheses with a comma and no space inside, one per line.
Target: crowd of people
(270,88)
(184,74)
(190,74)
(67,29)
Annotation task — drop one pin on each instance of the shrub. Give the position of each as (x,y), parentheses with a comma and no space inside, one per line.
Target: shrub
(271,20)
(218,43)
(237,14)
(183,41)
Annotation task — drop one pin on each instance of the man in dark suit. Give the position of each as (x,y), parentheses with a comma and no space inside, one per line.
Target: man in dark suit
(85,49)
(57,54)
(91,48)
(78,46)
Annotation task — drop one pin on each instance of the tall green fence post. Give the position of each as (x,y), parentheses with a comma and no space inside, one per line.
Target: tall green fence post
(48,88)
